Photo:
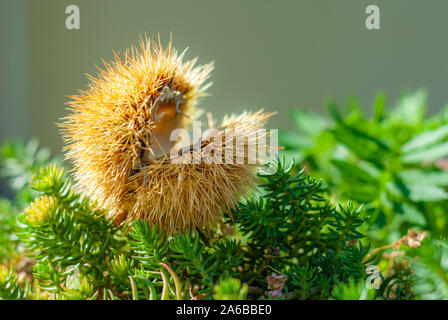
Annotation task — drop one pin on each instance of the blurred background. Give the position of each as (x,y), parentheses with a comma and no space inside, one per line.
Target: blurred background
(273,55)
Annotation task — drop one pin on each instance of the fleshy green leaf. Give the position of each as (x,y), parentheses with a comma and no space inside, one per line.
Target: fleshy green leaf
(294,140)
(413,215)
(411,108)
(309,122)
(419,192)
(426,139)
(414,176)
(431,154)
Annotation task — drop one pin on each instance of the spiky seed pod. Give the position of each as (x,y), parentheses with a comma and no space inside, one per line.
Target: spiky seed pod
(118,136)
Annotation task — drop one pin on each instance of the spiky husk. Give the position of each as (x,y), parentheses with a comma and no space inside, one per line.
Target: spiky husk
(114,133)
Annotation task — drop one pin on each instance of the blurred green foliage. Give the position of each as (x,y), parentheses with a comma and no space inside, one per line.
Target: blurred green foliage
(392,161)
